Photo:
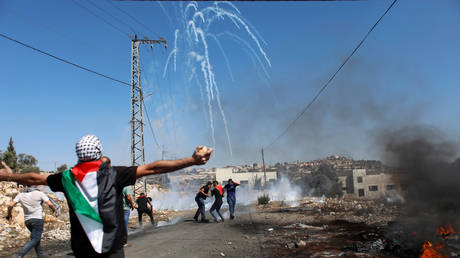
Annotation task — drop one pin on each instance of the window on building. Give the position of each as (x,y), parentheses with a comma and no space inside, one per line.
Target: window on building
(373,188)
(360,179)
(244,182)
(360,192)
(390,187)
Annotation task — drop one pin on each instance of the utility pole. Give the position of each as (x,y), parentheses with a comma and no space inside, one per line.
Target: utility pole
(137,102)
(263,167)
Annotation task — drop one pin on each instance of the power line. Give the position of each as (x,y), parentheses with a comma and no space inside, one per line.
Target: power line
(132,17)
(64,60)
(150,125)
(332,77)
(30,20)
(114,17)
(100,18)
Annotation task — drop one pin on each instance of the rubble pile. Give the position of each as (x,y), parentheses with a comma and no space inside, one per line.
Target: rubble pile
(14,233)
(320,227)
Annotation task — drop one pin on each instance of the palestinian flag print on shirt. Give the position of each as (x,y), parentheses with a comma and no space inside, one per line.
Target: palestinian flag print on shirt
(89,185)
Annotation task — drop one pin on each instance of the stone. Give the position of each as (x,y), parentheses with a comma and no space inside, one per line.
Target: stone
(300,243)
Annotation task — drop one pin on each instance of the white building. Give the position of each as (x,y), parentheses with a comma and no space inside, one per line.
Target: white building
(244,178)
(361,184)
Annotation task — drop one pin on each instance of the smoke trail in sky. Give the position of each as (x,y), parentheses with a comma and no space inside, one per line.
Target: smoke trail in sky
(195,26)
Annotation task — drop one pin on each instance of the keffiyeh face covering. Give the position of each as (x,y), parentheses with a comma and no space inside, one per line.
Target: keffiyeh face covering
(88,148)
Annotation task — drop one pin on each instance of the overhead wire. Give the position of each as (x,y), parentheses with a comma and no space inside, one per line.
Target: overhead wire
(331,78)
(63,60)
(132,17)
(150,125)
(30,20)
(114,17)
(100,18)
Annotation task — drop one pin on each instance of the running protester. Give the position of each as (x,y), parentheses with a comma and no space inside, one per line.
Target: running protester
(31,201)
(199,199)
(144,206)
(128,206)
(218,193)
(93,190)
(230,188)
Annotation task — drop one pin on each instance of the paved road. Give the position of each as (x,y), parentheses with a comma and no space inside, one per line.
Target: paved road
(187,238)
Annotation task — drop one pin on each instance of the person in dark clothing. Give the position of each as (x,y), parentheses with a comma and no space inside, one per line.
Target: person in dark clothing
(93,191)
(218,194)
(199,199)
(230,188)
(144,206)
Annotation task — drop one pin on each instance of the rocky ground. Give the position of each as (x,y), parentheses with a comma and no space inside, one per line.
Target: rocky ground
(311,227)
(325,228)
(56,234)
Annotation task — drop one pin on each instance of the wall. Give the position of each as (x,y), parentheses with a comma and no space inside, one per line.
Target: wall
(245,178)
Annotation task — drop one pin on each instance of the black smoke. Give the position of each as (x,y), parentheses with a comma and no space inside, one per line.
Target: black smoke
(428,169)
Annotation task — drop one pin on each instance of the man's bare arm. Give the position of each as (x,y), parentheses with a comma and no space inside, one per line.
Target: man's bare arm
(50,204)
(6,174)
(199,157)
(202,191)
(130,200)
(10,209)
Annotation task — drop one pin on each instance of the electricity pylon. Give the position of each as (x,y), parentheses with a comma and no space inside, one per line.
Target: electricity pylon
(137,102)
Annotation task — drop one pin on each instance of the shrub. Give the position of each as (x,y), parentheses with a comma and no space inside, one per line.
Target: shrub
(264,199)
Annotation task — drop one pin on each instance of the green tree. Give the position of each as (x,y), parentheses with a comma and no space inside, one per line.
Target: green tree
(62,168)
(324,181)
(25,160)
(9,156)
(27,163)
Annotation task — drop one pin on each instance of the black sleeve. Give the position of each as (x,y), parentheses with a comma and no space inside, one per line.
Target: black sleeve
(54,182)
(126,176)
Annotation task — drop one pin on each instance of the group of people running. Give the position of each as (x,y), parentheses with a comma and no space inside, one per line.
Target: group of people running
(218,192)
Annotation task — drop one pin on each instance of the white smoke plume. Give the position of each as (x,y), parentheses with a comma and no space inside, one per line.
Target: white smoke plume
(182,197)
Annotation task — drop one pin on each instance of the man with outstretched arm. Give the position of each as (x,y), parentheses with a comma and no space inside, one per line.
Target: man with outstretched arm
(93,190)
(230,188)
(31,201)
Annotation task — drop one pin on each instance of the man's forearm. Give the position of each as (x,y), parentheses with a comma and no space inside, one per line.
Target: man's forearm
(164,166)
(27,178)
(10,210)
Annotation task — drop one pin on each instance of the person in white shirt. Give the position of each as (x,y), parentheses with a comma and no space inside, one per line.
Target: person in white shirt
(31,201)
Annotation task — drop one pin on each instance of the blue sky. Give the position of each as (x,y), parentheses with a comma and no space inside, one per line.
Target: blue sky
(405,73)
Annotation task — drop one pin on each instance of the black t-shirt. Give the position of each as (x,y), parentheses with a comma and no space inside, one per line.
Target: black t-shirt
(79,241)
(142,203)
(216,193)
(201,195)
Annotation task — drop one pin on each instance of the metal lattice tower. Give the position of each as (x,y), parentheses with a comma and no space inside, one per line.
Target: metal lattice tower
(137,102)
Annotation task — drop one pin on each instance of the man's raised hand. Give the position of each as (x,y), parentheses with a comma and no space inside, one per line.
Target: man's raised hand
(202,155)
(5,172)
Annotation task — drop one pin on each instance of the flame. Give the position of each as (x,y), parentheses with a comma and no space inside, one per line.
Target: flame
(445,231)
(432,251)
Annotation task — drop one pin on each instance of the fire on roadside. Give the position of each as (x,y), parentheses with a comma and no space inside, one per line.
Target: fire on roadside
(430,250)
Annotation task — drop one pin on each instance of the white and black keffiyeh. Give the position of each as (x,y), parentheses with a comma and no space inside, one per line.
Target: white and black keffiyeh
(88,148)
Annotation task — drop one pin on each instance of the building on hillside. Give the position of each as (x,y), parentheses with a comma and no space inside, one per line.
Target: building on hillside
(244,178)
(360,183)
